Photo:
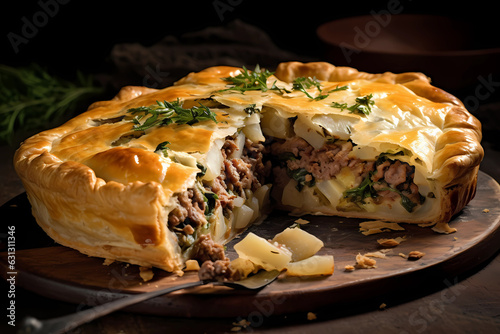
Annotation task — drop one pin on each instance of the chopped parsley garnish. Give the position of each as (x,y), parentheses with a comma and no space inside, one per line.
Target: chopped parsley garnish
(337,89)
(165,113)
(249,80)
(303,83)
(362,106)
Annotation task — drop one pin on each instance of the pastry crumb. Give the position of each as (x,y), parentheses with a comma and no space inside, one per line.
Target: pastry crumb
(378,226)
(302,221)
(311,316)
(364,262)
(146,273)
(393,242)
(427,224)
(107,262)
(402,255)
(349,268)
(444,228)
(415,255)
(238,326)
(192,265)
(486,210)
(383,306)
(377,254)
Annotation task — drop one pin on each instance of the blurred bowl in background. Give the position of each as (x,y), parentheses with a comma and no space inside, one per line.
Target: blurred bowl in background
(456,55)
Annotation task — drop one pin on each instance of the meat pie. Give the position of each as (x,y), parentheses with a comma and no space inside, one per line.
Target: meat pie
(157,177)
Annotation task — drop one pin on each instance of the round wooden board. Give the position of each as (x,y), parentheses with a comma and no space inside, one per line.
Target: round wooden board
(64,274)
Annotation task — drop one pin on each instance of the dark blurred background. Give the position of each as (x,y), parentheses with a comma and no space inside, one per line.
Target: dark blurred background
(155,43)
(66,35)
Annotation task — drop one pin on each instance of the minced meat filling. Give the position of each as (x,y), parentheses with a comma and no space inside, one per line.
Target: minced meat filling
(191,206)
(215,264)
(323,163)
(382,180)
(196,204)
(238,174)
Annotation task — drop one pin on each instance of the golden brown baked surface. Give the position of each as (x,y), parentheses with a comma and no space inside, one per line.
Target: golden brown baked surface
(100,186)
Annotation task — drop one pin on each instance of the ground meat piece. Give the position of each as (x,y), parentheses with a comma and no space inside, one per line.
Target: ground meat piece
(397,173)
(219,187)
(228,147)
(323,163)
(253,154)
(215,264)
(208,250)
(245,173)
(384,195)
(380,171)
(188,230)
(232,176)
(239,174)
(293,145)
(192,206)
(413,194)
(215,270)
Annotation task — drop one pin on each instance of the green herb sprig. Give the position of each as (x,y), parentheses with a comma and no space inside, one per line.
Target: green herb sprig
(32,99)
(165,113)
(304,83)
(362,106)
(249,80)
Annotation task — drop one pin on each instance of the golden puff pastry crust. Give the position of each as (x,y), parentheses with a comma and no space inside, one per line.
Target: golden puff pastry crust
(98,185)
(457,150)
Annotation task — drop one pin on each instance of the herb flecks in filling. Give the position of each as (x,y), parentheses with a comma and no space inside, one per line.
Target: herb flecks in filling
(390,179)
(386,179)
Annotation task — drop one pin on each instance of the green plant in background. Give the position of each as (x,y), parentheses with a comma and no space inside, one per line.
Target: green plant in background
(32,100)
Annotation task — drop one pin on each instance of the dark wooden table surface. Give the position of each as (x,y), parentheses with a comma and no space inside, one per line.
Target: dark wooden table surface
(464,303)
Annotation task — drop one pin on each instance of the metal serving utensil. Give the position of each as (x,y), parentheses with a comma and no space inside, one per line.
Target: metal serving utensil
(31,325)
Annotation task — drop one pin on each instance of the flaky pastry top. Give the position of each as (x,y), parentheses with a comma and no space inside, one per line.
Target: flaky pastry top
(408,111)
